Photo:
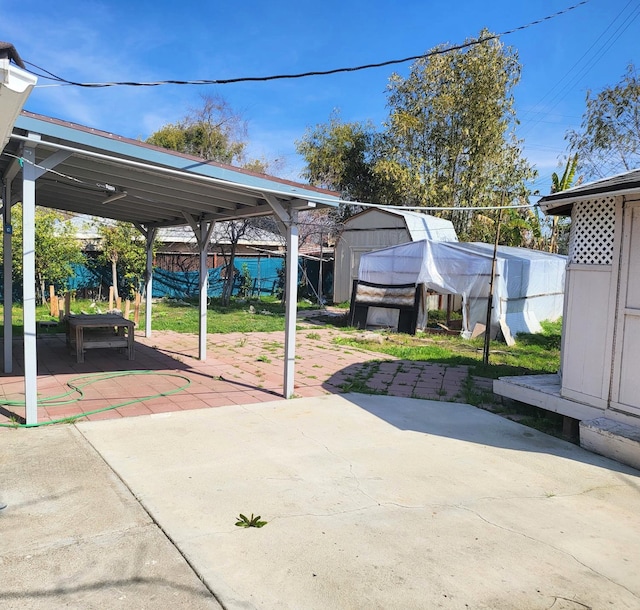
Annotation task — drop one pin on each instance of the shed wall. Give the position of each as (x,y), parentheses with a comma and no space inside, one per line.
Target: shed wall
(586,358)
(365,238)
(625,395)
(590,306)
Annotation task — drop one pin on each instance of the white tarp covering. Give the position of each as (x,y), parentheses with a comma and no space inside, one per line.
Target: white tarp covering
(528,285)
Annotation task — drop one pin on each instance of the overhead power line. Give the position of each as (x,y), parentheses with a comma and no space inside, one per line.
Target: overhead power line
(60,81)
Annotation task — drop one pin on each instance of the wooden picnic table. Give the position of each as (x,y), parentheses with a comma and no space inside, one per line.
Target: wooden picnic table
(103,330)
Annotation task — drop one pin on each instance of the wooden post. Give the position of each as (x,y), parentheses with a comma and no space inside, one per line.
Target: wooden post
(110,298)
(136,309)
(119,303)
(53,302)
(67,303)
(127,308)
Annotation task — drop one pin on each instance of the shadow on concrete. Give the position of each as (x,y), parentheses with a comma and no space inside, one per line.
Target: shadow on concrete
(474,425)
(59,593)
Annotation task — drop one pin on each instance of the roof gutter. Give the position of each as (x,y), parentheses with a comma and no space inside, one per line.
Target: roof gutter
(560,207)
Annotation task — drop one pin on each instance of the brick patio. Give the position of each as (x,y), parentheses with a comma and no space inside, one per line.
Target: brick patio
(241,368)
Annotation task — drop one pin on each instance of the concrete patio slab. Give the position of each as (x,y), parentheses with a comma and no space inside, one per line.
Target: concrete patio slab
(382,502)
(73,536)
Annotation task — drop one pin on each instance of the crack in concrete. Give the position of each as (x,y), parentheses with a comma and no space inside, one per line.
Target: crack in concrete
(566,599)
(547,544)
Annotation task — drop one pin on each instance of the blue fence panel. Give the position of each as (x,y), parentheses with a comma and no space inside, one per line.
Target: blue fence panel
(185,284)
(263,272)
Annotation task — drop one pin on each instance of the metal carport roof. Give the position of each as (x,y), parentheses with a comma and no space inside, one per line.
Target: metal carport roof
(78,169)
(147,185)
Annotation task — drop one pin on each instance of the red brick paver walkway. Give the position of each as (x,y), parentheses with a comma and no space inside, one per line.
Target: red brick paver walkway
(241,368)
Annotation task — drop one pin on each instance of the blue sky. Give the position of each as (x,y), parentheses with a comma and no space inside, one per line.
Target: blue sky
(141,40)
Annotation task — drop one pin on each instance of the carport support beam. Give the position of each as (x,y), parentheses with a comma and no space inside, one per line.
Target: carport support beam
(29,176)
(289,218)
(204,235)
(150,235)
(202,231)
(7,266)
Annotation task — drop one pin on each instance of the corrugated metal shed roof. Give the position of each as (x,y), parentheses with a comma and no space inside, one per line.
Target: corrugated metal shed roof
(419,225)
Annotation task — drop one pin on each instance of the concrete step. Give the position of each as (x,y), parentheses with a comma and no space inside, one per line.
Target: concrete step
(615,440)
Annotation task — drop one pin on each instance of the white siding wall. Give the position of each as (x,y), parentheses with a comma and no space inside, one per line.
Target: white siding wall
(591,287)
(625,395)
(586,357)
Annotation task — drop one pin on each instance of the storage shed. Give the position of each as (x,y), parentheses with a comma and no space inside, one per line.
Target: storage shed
(599,380)
(528,284)
(379,228)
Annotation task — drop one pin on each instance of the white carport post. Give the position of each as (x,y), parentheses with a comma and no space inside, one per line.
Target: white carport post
(7,269)
(288,220)
(30,173)
(202,230)
(149,235)
(29,177)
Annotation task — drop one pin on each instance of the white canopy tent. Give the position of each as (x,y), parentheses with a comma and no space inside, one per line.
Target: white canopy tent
(528,285)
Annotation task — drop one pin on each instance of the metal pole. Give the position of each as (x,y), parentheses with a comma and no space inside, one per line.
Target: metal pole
(148,288)
(8,283)
(487,330)
(320,297)
(291,287)
(203,243)
(29,285)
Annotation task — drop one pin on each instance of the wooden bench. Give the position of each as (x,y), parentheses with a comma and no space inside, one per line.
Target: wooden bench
(90,331)
(403,297)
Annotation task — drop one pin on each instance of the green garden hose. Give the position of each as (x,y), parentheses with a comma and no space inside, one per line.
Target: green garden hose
(75,388)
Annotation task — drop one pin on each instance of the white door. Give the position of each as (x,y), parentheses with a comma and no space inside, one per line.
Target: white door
(626,371)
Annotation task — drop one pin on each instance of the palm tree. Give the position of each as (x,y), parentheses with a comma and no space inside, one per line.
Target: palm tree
(562,184)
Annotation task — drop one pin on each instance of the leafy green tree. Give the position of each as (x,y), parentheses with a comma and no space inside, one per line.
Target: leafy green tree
(57,250)
(124,249)
(608,140)
(450,138)
(449,141)
(340,157)
(213,132)
(559,230)
(566,182)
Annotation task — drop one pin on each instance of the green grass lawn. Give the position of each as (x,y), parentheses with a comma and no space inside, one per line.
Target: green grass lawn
(263,315)
(532,354)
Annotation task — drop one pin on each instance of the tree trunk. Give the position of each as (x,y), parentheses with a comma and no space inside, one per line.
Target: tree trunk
(227,288)
(43,299)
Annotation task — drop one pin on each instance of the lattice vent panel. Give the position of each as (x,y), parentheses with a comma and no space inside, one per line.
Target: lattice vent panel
(592,231)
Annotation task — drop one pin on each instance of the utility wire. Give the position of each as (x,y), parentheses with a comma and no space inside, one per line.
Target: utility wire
(315,198)
(578,71)
(64,82)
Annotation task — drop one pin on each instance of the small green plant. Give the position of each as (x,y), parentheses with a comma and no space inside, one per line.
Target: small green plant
(252,522)
(314,336)
(263,358)
(245,282)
